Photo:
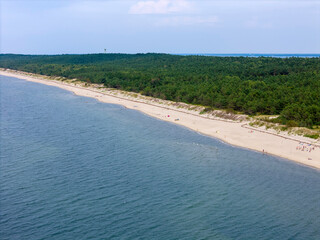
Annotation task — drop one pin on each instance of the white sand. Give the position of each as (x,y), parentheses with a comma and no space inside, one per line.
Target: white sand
(234,133)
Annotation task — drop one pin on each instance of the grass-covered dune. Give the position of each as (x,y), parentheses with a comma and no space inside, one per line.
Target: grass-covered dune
(289,87)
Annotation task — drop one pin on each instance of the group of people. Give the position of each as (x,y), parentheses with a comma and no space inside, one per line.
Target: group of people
(305,147)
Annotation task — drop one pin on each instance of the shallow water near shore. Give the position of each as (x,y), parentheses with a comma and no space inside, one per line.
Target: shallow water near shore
(75,168)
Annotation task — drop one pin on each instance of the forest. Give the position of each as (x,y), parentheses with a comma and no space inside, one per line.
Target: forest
(288,87)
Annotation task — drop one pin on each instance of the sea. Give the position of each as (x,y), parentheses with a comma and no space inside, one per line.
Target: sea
(256,55)
(75,168)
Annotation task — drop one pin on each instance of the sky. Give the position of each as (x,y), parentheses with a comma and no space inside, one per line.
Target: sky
(162,26)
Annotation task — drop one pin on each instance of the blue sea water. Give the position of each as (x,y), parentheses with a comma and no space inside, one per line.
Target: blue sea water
(273,55)
(74,168)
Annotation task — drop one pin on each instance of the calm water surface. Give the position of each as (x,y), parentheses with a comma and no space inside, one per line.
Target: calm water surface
(314,55)
(75,168)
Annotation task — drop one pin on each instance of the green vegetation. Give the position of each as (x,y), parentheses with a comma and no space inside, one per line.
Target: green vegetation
(314,136)
(287,87)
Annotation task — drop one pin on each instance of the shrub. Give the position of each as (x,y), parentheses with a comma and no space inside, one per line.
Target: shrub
(314,136)
(292,123)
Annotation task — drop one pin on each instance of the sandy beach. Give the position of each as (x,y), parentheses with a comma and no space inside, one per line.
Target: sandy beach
(300,149)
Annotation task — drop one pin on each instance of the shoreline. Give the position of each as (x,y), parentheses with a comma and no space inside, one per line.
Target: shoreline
(300,149)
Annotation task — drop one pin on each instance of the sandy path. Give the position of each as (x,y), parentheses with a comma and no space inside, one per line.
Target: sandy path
(235,133)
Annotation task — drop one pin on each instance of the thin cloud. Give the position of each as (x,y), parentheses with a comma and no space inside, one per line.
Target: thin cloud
(160,7)
(188,20)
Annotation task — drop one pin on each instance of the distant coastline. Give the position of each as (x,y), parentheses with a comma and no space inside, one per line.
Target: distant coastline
(297,148)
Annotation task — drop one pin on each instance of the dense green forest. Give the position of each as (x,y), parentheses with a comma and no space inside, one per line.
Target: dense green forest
(289,87)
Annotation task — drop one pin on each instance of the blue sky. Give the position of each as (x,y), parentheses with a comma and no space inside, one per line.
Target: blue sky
(168,26)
